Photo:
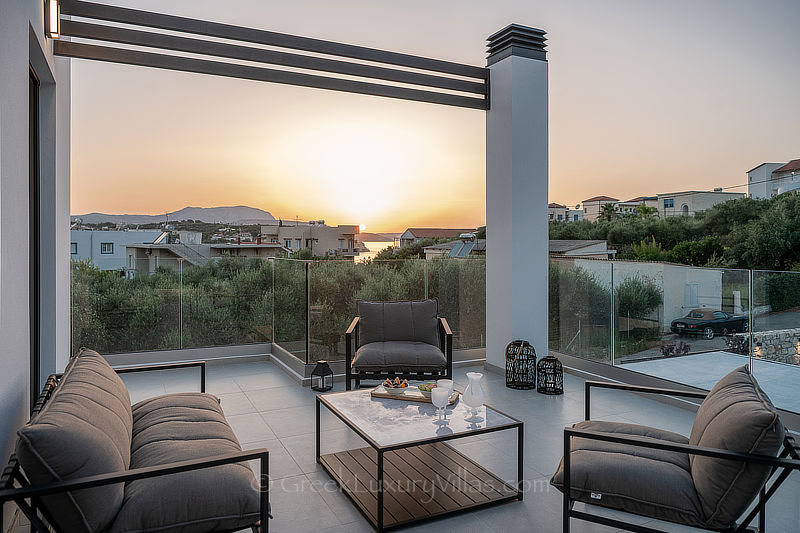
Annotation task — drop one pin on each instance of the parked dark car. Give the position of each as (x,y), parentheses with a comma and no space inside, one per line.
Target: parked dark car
(709,322)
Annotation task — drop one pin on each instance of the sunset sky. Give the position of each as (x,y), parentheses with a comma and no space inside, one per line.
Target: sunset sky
(645,97)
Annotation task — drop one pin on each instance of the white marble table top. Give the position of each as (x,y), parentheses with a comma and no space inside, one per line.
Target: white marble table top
(389,422)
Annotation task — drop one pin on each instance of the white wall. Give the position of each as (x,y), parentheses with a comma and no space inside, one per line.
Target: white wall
(672,281)
(516,203)
(758,185)
(22,43)
(89,246)
(695,201)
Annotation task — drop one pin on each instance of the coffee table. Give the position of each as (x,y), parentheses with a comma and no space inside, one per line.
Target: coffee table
(408,472)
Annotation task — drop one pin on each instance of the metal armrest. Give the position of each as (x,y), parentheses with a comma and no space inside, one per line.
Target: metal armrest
(637,389)
(167,366)
(657,444)
(99,480)
(776,463)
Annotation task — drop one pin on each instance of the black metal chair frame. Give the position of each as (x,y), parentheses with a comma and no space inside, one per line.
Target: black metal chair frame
(782,465)
(14,485)
(445,344)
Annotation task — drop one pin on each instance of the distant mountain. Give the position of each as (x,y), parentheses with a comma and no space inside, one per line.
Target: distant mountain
(240,214)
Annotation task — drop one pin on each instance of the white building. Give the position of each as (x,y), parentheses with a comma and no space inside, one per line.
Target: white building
(687,203)
(771,179)
(106,249)
(787,177)
(315,235)
(759,181)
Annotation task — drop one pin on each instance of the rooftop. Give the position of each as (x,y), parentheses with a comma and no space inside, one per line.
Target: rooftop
(436,233)
(794,164)
(602,199)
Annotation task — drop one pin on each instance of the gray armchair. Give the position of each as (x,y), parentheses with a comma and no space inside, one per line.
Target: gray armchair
(707,480)
(398,339)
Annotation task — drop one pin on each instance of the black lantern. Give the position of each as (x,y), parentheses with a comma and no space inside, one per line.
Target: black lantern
(520,365)
(322,377)
(551,376)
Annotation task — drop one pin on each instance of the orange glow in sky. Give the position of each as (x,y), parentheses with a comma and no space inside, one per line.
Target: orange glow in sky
(645,98)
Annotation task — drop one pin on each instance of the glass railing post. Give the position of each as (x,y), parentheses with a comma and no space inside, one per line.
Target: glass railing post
(750,315)
(180,303)
(425,270)
(272,298)
(308,312)
(612,321)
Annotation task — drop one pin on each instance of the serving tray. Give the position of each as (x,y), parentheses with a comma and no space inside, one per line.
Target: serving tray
(410,393)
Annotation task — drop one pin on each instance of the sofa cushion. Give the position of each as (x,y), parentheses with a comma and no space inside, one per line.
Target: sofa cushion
(83,430)
(179,427)
(737,416)
(398,321)
(399,356)
(648,482)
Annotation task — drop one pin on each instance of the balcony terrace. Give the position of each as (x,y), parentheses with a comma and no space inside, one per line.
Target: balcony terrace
(263,324)
(268,409)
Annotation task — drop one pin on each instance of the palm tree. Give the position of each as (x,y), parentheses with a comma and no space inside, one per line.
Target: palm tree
(608,212)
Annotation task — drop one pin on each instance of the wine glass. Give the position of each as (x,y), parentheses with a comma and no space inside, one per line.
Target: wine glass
(446,383)
(439,398)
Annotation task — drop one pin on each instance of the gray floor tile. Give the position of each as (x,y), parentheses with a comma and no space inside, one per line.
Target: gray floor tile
(250,427)
(236,403)
(267,409)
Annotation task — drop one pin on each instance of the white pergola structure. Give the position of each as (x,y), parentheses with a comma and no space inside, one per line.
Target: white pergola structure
(38,38)
(512,89)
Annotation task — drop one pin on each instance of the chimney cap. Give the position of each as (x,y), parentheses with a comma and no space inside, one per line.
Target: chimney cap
(517,40)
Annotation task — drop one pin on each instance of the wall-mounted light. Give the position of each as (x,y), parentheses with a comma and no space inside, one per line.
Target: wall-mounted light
(53,18)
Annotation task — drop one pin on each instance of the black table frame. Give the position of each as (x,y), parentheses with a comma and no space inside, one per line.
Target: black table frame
(382,450)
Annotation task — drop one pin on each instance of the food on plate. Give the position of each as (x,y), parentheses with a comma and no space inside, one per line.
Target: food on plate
(395,384)
(426,387)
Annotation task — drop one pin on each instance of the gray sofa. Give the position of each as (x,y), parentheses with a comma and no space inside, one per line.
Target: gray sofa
(398,339)
(170,464)
(667,476)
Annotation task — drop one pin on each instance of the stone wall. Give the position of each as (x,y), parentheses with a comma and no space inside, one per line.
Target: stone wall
(781,345)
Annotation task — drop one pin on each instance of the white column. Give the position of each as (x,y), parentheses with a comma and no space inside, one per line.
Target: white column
(516,192)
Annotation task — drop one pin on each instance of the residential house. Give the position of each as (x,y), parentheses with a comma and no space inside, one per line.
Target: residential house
(686,203)
(412,235)
(593,205)
(341,240)
(770,179)
(106,248)
(147,258)
(557,212)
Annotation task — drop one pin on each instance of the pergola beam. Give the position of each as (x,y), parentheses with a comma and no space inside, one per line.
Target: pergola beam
(233,70)
(120,35)
(78,8)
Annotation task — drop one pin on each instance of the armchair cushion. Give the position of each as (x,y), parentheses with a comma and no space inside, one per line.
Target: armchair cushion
(737,416)
(399,356)
(83,430)
(179,427)
(398,321)
(643,481)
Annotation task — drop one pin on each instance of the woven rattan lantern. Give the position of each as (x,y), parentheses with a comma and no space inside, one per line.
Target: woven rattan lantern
(551,376)
(520,365)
